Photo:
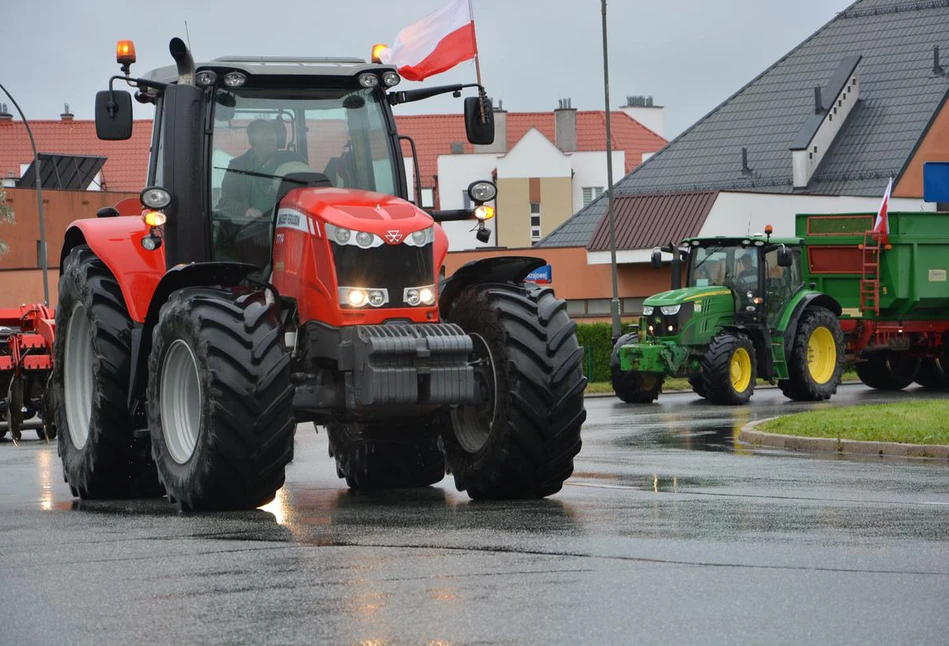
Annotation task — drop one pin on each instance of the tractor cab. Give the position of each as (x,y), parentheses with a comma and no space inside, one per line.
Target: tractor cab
(760,273)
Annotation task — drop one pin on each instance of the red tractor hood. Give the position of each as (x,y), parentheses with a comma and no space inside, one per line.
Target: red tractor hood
(359,210)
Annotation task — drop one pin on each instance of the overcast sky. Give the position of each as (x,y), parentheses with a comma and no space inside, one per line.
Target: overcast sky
(688,54)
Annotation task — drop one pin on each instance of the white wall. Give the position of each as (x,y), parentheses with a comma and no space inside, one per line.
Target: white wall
(651,117)
(534,156)
(735,214)
(589,169)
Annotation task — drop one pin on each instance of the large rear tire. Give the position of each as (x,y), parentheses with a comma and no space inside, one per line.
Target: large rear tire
(729,369)
(521,442)
(931,375)
(91,362)
(219,400)
(887,371)
(816,362)
(631,386)
(377,455)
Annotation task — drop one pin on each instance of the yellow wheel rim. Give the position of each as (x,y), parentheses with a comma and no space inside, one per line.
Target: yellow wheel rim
(740,370)
(821,355)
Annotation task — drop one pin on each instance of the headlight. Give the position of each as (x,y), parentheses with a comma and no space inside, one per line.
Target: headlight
(670,310)
(368,80)
(391,79)
(413,296)
(361,239)
(360,297)
(155,197)
(482,191)
(420,238)
(484,212)
(205,78)
(234,79)
(648,310)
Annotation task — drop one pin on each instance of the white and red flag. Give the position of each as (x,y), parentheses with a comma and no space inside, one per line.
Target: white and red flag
(434,44)
(881,226)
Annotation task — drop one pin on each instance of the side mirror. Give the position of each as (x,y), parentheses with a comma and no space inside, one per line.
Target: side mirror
(479,133)
(784,257)
(656,259)
(113,115)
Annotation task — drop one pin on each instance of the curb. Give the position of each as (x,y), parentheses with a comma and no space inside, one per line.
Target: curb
(754,437)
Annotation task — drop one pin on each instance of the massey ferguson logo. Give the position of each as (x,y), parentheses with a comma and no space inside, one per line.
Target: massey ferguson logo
(394,236)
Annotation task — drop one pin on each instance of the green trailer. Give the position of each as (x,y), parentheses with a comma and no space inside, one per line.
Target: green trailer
(893,293)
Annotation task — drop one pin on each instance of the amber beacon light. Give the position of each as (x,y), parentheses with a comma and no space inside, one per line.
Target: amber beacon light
(125,54)
(377,52)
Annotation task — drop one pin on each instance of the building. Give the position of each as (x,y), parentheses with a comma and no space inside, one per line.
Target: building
(823,129)
(547,165)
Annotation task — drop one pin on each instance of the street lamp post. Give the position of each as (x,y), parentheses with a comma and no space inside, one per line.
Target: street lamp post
(39,198)
(614,304)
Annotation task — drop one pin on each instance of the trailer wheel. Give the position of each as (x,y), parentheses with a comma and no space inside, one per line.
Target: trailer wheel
(520,443)
(885,371)
(219,400)
(376,455)
(931,375)
(631,386)
(91,361)
(729,369)
(816,361)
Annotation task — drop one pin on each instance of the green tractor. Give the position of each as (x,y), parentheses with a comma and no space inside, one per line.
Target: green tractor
(744,314)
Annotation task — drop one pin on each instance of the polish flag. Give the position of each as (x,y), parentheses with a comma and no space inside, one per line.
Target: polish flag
(434,44)
(881,226)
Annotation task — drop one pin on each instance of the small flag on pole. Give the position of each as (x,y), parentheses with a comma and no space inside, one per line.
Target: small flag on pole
(881,226)
(434,44)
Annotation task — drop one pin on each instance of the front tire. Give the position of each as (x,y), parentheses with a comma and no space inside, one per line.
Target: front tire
(521,442)
(91,363)
(219,400)
(816,362)
(886,371)
(377,455)
(729,369)
(631,386)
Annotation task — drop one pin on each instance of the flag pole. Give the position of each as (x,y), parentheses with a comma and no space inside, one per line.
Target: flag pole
(477,58)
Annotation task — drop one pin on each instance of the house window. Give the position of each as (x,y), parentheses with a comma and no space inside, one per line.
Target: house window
(590,193)
(535,222)
(428,198)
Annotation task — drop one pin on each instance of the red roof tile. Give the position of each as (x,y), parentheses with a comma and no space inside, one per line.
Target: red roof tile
(435,133)
(127,161)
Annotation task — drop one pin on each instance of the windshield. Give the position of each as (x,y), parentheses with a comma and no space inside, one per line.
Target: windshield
(723,266)
(339,136)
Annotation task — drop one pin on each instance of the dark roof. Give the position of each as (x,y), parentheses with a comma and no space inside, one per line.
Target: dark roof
(899,97)
(645,221)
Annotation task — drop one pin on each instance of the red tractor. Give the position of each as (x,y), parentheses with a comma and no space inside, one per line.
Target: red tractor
(296,282)
(26,341)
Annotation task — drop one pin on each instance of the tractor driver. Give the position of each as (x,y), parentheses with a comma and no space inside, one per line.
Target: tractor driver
(244,195)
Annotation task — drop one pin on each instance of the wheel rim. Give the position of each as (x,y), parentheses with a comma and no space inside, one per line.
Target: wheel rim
(77,375)
(821,355)
(472,424)
(180,397)
(740,370)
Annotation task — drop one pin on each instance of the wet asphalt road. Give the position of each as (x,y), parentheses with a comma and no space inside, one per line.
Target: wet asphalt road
(669,532)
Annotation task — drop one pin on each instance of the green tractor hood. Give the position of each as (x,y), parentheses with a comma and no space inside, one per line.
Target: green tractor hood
(687,294)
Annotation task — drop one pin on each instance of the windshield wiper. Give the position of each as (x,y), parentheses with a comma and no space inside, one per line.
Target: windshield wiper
(708,254)
(292,180)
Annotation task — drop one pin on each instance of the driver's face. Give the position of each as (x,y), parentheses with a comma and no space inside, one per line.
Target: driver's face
(264,143)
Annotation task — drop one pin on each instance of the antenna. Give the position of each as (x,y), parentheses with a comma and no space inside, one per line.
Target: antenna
(188,35)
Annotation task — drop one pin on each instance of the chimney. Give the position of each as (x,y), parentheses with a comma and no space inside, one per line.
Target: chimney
(500,131)
(5,117)
(66,115)
(566,122)
(457,148)
(643,110)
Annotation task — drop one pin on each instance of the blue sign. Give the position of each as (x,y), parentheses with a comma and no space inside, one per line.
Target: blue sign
(542,275)
(936,181)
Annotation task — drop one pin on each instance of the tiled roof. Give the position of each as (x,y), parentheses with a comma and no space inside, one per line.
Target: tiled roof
(434,134)
(899,97)
(126,166)
(646,221)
